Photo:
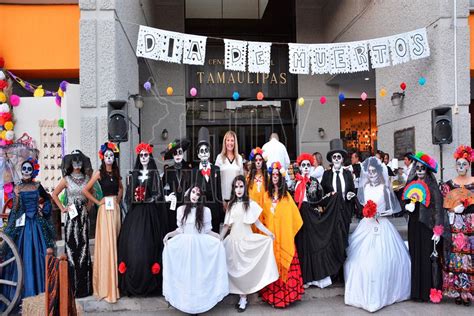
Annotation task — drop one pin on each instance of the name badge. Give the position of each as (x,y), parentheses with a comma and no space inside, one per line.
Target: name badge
(109,203)
(173,204)
(72,211)
(21,221)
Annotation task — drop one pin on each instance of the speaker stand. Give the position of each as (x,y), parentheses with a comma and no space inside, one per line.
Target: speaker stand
(441,161)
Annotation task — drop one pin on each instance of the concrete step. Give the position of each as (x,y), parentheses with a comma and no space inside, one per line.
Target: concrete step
(157,304)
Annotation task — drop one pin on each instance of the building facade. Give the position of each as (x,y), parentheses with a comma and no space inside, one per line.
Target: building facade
(110,70)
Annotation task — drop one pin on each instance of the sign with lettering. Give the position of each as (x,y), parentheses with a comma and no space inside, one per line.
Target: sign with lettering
(404,141)
(212,80)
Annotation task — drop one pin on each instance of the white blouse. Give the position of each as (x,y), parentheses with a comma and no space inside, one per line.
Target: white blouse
(228,172)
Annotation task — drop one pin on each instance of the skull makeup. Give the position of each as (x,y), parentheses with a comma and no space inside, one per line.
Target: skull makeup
(76,161)
(337,161)
(275,176)
(195,195)
(178,155)
(462,166)
(109,157)
(420,170)
(203,153)
(239,189)
(305,167)
(26,170)
(258,162)
(373,175)
(144,158)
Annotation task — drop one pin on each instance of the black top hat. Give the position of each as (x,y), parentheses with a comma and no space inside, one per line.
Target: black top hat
(203,137)
(336,146)
(172,147)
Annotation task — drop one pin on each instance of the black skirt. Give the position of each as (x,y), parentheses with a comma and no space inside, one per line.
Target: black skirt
(322,240)
(140,249)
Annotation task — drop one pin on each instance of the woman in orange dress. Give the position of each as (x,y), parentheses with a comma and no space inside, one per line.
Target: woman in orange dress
(282,217)
(257,179)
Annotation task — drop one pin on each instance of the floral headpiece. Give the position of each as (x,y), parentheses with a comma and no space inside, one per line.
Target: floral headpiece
(144,147)
(303,157)
(107,146)
(426,160)
(465,152)
(255,152)
(277,165)
(36,166)
(172,145)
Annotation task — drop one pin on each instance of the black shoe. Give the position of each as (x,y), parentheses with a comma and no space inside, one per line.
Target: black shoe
(237,306)
(467,303)
(458,301)
(241,310)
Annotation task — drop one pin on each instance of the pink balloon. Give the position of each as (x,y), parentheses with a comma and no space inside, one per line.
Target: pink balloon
(193,92)
(322,99)
(363,96)
(14,100)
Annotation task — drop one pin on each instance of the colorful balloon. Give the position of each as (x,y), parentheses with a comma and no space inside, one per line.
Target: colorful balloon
(169,91)
(193,92)
(363,96)
(300,101)
(342,97)
(383,92)
(260,96)
(14,100)
(9,125)
(323,99)
(147,86)
(403,86)
(422,81)
(235,95)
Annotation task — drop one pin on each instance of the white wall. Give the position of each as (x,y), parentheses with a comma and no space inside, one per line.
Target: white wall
(71,113)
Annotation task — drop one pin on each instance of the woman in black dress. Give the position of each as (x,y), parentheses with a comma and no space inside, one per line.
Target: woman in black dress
(421,230)
(141,238)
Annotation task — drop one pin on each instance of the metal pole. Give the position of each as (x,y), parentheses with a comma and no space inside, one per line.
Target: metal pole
(441,160)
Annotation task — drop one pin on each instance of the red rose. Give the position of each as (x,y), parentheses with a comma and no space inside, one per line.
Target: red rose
(155,268)
(122,267)
(370,209)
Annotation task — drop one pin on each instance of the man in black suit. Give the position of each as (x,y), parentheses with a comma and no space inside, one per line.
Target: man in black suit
(208,177)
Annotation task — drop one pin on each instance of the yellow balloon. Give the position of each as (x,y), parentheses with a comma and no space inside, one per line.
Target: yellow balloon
(3,97)
(300,101)
(39,92)
(61,93)
(169,91)
(3,134)
(9,125)
(383,92)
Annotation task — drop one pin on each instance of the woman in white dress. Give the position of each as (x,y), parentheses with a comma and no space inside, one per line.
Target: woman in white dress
(250,260)
(377,269)
(194,264)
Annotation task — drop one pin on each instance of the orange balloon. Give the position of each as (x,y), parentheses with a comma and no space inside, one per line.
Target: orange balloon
(260,96)
(169,91)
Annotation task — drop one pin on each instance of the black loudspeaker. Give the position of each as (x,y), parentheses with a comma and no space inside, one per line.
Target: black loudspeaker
(442,125)
(118,121)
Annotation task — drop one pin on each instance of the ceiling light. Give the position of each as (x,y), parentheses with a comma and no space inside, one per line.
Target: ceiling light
(366,78)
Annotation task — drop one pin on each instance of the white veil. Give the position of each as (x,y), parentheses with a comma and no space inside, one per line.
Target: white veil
(391,201)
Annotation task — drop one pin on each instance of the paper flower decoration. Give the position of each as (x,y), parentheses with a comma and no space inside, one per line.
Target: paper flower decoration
(256,151)
(39,92)
(260,96)
(438,230)
(322,99)
(342,97)
(363,96)
(383,92)
(417,191)
(460,241)
(277,165)
(8,187)
(435,296)
(57,100)
(147,86)
(4,108)
(155,268)
(61,93)
(403,86)
(61,123)
(422,81)
(370,209)
(169,91)
(300,101)
(465,152)
(2,75)
(235,95)
(14,100)
(3,97)
(193,92)
(122,267)
(140,193)
(108,146)
(8,125)
(9,135)
(144,147)
(3,84)
(63,86)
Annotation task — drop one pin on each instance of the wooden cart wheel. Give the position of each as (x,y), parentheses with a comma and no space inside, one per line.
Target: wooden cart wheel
(18,284)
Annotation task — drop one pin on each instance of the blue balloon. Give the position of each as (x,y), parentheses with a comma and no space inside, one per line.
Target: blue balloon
(342,97)
(235,95)
(422,81)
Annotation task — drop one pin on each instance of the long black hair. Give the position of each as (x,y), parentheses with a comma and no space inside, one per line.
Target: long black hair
(151,163)
(253,172)
(282,188)
(199,208)
(245,197)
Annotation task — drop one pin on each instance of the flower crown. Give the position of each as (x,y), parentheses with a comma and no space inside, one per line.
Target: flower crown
(107,146)
(144,147)
(303,157)
(255,152)
(172,145)
(465,152)
(277,165)
(36,166)
(426,160)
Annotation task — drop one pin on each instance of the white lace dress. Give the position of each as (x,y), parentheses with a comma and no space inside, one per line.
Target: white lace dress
(194,266)
(377,269)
